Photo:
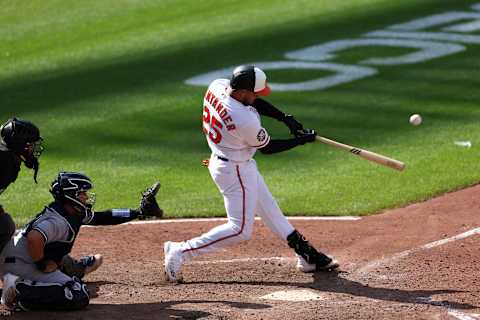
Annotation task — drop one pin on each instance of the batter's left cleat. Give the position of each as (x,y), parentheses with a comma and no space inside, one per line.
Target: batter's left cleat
(9,291)
(173,261)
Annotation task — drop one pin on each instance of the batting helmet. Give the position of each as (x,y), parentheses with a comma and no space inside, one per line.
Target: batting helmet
(18,134)
(68,186)
(251,78)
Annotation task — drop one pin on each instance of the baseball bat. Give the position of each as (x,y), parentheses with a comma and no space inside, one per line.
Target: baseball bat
(369,155)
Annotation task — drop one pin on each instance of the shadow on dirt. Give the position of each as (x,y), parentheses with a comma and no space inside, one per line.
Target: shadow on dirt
(140,311)
(334,282)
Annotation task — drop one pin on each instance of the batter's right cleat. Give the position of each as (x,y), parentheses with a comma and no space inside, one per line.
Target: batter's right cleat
(325,264)
(91,263)
(9,291)
(173,261)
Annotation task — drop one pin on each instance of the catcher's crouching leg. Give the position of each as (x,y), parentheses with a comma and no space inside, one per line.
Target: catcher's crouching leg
(32,295)
(80,268)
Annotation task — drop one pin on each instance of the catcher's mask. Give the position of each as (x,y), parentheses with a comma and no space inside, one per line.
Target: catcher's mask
(23,138)
(75,189)
(250,78)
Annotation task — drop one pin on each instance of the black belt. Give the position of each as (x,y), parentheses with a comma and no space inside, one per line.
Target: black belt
(222,158)
(10,259)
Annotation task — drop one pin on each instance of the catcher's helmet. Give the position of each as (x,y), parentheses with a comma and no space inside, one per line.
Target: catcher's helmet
(68,186)
(18,134)
(251,78)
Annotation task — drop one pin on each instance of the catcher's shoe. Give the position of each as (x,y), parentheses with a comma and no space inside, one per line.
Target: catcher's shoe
(327,264)
(173,261)
(91,263)
(9,291)
(149,205)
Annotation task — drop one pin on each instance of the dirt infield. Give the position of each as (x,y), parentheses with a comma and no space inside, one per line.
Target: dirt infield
(418,262)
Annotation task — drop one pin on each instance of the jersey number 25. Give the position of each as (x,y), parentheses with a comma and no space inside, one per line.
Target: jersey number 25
(214,124)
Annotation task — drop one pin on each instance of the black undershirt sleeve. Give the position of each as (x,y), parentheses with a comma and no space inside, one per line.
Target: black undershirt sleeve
(113,216)
(265,108)
(275,146)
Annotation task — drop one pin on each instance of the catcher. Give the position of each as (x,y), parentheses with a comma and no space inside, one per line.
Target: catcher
(37,272)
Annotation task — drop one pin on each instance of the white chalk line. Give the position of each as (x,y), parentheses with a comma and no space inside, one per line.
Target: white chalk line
(162,221)
(368,267)
(462,316)
(397,256)
(239,260)
(453,312)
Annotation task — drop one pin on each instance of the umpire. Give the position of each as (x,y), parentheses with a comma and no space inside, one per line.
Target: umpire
(20,141)
(31,262)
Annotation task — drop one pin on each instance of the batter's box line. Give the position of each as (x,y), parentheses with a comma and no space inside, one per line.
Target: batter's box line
(377,263)
(452,312)
(323,218)
(163,221)
(275,259)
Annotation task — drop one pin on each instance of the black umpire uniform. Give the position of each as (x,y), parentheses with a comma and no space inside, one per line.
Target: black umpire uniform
(20,141)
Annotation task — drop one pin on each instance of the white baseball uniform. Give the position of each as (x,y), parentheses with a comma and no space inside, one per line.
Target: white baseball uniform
(234,133)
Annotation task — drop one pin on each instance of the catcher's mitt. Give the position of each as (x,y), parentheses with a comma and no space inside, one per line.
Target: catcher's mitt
(149,206)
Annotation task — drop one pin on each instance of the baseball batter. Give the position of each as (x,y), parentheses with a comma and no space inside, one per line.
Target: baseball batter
(232,126)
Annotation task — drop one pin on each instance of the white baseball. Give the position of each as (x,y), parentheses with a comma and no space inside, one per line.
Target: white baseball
(415,119)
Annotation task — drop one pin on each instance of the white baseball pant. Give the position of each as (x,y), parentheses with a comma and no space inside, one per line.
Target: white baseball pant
(245,194)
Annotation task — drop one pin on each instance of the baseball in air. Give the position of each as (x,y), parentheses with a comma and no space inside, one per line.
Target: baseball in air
(415,119)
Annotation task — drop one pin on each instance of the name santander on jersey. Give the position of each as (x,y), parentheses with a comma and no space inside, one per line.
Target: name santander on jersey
(233,130)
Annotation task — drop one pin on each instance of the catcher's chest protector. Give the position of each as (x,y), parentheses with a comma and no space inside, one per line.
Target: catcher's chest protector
(58,249)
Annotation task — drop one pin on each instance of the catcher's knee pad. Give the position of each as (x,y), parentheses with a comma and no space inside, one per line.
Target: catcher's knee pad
(7,229)
(32,295)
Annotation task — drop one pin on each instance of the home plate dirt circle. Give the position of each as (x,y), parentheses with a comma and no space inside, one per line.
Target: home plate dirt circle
(293,295)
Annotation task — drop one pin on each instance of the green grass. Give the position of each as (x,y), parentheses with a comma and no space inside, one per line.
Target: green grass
(104,81)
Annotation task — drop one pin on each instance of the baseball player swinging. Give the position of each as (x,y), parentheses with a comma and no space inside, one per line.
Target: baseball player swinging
(32,263)
(231,124)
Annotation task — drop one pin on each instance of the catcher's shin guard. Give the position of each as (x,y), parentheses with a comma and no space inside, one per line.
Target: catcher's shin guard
(33,295)
(302,247)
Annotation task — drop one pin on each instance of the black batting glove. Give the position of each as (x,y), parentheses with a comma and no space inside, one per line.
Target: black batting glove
(293,125)
(306,136)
